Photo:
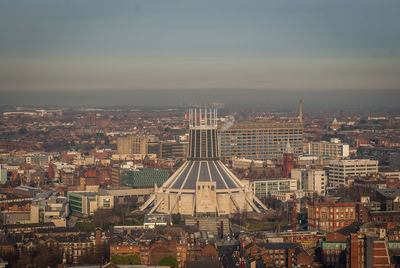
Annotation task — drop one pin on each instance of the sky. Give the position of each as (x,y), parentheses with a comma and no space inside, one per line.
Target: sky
(114,45)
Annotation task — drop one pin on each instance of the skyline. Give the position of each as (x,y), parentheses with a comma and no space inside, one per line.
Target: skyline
(196,45)
(372,101)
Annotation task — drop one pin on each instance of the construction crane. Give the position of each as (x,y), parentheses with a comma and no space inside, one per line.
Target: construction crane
(294,218)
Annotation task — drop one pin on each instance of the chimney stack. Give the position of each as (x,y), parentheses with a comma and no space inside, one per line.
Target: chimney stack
(301,110)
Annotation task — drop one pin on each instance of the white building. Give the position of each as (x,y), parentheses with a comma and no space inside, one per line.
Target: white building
(85,203)
(50,207)
(340,170)
(246,163)
(310,179)
(264,187)
(334,149)
(285,196)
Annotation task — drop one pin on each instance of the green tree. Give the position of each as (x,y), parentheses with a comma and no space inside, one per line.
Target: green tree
(85,226)
(125,259)
(176,219)
(169,261)
(22,131)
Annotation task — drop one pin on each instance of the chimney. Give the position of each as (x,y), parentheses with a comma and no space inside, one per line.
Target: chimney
(301,110)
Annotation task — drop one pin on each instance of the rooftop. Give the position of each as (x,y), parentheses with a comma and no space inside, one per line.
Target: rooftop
(203,171)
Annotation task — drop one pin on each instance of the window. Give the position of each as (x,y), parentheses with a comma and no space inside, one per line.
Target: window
(107,202)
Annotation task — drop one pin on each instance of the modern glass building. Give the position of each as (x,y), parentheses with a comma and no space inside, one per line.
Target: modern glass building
(262,188)
(75,203)
(86,203)
(144,178)
(261,140)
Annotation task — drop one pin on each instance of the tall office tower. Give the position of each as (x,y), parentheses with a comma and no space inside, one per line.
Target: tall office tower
(261,140)
(172,149)
(334,149)
(136,144)
(203,185)
(340,170)
(124,145)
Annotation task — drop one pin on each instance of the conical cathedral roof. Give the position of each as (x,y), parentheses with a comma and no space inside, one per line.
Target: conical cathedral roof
(196,185)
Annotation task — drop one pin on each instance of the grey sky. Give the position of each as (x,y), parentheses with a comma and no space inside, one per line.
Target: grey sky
(186,44)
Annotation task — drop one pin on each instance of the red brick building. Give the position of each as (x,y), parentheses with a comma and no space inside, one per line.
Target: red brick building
(385,216)
(334,249)
(124,249)
(279,254)
(330,215)
(392,183)
(368,251)
(362,213)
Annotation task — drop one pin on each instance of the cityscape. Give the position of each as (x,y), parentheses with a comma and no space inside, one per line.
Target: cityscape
(191,134)
(199,186)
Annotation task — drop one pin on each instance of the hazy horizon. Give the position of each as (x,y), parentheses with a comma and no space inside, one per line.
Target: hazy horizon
(361,100)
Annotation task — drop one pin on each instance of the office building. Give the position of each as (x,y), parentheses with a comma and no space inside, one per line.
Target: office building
(136,144)
(261,140)
(203,185)
(334,149)
(144,178)
(50,207)
(115,175)
(263,187)
(341,170)
(86,203)
(310,179)
(172,149)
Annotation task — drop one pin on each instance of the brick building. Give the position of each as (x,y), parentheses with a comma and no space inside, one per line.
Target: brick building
(278,254)
(330,215)
(367,251)
(334,249)
(385,216)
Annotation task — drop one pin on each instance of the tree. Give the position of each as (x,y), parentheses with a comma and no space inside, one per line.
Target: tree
(170,261)
(272,202)
(22,131)
(176,219)
(362,121)
(85,226)
(125,259)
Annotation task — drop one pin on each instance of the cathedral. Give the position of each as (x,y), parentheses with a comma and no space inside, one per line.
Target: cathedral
(203,185)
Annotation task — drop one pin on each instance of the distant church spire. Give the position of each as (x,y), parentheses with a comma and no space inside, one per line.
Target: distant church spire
(288,148)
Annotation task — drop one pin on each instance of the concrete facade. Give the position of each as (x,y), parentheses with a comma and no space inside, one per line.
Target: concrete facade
(340,170)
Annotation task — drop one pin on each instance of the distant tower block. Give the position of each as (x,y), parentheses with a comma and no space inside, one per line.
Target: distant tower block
(301,110)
